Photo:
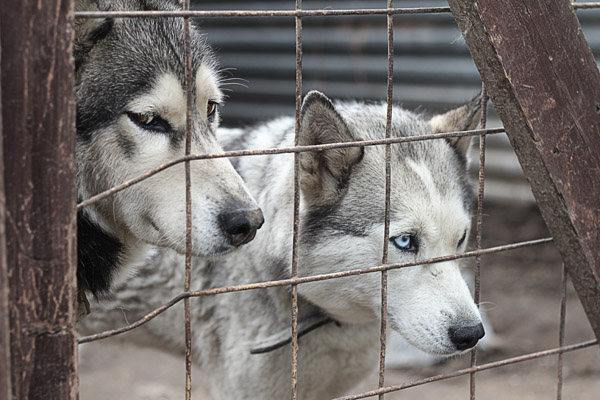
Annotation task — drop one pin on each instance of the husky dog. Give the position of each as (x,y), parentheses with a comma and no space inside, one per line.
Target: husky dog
(131,113)
(237,337)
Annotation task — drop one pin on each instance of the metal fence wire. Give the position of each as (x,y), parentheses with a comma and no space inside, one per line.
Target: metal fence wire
(298,13)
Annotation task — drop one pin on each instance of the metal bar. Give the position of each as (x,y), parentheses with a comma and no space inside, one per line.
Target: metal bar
(497,364)
(281,150)
(261,13)
(388,173)
(188,202)
(479,230)
(278,13)
(561,330)
(296,229)
(551,131)
(38,124)
(580,6)
(314,278)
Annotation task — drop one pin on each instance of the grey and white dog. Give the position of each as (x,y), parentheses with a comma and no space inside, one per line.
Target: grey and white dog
(237,337)
(131,113)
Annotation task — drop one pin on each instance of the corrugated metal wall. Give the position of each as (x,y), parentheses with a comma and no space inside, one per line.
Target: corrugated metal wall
(346,57)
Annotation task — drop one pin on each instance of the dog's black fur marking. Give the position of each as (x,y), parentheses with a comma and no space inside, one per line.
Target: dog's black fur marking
(106,108)
(325,219)
(127,146)
(98,256)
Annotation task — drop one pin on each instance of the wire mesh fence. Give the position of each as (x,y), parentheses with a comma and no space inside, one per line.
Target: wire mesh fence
(298,14)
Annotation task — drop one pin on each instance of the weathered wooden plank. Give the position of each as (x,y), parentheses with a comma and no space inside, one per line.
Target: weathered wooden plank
(545,85)
(39,178)
(4,342)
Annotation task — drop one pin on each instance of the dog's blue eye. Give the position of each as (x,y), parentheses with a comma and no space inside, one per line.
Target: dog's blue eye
(150,122)
(406,243)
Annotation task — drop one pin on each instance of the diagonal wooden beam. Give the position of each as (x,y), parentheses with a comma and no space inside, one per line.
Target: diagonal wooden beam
(545,85)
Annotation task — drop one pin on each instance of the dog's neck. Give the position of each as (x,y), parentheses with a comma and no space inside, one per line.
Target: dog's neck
(99,255)
(105,257)
(284,337)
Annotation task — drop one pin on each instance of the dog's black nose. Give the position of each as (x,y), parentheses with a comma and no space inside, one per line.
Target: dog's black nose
(465,337)
(240,225)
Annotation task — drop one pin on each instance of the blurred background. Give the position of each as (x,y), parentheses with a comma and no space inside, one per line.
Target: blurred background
(346,58)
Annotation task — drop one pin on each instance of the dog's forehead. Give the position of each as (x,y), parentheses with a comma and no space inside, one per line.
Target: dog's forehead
(426,173)
(158,43)
(433,194)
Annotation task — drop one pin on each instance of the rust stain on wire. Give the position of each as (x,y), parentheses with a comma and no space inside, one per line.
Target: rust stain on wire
(388,183)
(314,278)
(281,150)
(188,202)
(296,229)
(501,363)
(479,222)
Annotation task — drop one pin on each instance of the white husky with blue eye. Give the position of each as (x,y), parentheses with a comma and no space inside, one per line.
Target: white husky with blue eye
(240,339)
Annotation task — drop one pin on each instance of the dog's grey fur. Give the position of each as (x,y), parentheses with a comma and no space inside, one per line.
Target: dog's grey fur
(341,228)
(134,68)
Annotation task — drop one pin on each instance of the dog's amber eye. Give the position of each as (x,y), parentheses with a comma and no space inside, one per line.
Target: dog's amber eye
(144,119)
(150,122)
(211,108)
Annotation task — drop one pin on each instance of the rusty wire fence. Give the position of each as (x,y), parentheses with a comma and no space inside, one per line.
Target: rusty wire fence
(298,14)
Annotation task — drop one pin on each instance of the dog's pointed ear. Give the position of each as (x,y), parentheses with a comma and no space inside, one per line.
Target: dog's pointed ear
(88,31)
(324,174)
(463,118)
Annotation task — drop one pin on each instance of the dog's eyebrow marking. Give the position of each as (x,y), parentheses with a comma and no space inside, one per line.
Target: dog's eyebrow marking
(167,98)
(425,174)
(206,85)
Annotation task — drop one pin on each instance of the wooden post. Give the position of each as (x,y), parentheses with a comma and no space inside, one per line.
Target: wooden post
(38,126)
(545,85)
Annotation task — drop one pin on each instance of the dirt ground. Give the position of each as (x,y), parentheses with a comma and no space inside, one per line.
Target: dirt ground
(520,291)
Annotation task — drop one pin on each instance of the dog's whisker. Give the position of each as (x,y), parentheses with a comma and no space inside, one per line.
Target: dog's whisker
(234,79)
(234,84)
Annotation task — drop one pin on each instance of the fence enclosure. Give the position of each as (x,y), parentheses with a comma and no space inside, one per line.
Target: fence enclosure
(549,103)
